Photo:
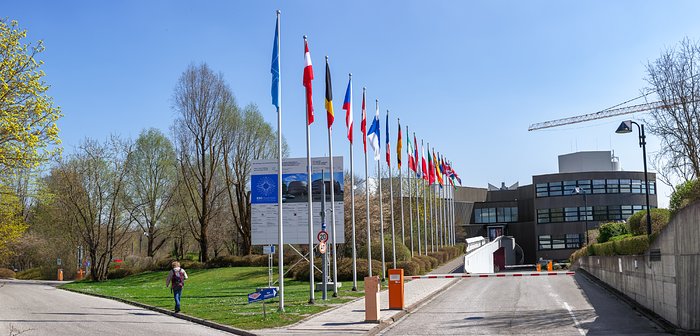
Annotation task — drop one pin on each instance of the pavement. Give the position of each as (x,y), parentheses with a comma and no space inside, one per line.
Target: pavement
(349,318)
(528,305)
(38,308)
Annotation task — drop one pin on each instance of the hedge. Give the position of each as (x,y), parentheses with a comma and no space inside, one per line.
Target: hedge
(628,246)
(611,229)
(6,273)
(638,221)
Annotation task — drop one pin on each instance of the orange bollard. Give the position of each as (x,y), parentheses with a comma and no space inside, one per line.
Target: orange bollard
(60,274)
(549,266)
(396,290)
(538,267)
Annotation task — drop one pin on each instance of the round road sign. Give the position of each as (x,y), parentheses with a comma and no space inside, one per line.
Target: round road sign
(322,247)
(322,236)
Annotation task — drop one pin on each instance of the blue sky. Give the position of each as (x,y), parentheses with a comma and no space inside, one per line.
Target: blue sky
(468,77)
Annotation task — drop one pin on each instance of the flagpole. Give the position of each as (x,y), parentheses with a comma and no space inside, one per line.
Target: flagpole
(369,235)
(398,152)
(425,206)
(330,163)
(381,208)
(309,194)
(431,201)
(352,200)
(452,220)
(391,193)
(418,182)
(280,241)
(410,199)
(443,202)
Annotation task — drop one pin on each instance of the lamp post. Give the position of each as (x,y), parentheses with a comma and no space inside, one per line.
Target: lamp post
(626,127)
(579,190)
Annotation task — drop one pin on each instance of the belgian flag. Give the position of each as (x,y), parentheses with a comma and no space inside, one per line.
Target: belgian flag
(329,96)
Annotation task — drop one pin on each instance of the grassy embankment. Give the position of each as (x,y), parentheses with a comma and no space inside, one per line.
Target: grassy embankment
(221,295)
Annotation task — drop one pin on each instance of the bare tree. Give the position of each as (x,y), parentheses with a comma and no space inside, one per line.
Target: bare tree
(200,98)
(247,137)
(152,179)
(89,188)
(674,77)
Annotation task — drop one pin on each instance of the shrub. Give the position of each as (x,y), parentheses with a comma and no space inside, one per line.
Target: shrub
(582,252)
(620,237)
(685,194)
(430,262)
(611,229)
(402,252)
(119,273)
(30,274)
(603,249)
(139,264)
(638,221)
(6,273)
(410,267)
(631,245)
(190,264)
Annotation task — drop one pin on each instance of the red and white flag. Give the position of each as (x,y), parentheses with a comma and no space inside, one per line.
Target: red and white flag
(308,77)
(363,123)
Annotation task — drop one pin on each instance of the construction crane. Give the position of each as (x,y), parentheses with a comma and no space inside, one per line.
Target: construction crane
(607,113)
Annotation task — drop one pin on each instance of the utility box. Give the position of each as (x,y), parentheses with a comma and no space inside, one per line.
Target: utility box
(396,291)
(372,288)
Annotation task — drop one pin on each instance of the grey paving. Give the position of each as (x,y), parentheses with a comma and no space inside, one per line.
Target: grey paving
(553,305)
(38,308)
(348,319)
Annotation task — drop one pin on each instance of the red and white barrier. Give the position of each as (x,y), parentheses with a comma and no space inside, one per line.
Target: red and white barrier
(494,275)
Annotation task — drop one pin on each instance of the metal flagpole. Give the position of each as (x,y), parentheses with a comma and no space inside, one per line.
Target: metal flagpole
(280,237)
(330,163)
(418,183)
(444,215)
(452,224)
(431,200)
(312,298)
(410,199)
(280,240)
(369,234)
(381,210)
(391,195)
(425,204)
(403,236)
(352,199)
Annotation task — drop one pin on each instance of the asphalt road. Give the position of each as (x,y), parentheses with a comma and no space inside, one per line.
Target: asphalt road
(38,308)
(549,305)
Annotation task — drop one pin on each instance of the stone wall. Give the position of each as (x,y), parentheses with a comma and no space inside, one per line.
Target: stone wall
(666,279)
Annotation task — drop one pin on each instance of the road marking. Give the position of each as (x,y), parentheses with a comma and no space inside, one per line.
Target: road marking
(571,313)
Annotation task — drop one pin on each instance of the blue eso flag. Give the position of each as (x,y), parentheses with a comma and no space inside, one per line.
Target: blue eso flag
(275,68)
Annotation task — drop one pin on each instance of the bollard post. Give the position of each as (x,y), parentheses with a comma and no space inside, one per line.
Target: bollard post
(549,266)
(372,299)
(538,267)
(60,274)
(396,289)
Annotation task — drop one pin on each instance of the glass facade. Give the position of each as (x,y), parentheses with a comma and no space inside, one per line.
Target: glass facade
(602,186)
(560,242)
(591,213)
(496,215)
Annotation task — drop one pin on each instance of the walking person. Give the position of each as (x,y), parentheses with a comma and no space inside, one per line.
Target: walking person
(176,280)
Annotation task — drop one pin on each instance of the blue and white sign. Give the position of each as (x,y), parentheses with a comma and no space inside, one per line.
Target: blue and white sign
(295,195)
(263,294)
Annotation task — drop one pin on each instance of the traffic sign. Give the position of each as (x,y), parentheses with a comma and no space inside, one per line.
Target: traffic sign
(322,236)
(322,247)
(262,294)
(269,249)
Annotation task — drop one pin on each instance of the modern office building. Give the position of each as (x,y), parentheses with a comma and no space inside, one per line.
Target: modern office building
(550,217)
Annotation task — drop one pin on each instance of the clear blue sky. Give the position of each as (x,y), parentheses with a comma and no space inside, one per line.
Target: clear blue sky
(468,77)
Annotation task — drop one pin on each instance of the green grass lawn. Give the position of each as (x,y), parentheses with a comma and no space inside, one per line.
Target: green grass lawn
(221,295)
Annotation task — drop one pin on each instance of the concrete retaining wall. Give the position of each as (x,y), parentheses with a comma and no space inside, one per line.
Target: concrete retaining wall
(669,285)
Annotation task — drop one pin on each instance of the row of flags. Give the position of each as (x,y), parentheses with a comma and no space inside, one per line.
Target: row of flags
(437,169)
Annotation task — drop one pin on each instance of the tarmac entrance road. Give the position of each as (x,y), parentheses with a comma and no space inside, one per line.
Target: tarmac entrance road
(38,308)
(544,305)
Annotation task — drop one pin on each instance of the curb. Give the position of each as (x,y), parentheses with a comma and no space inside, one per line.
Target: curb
(646,312)
(181,316)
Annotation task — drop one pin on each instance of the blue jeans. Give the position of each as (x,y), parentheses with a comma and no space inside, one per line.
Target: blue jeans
(177,292)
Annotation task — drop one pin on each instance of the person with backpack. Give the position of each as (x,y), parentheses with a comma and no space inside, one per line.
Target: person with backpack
(176,280)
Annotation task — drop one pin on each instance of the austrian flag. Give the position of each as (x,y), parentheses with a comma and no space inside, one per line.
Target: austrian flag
(308,77)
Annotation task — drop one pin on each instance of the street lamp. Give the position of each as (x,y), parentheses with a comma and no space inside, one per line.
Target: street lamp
(626,127)
(579,190)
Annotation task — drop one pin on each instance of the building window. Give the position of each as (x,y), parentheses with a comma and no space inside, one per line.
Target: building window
(545,242)
(607,186)
(574,240)
(560,242)
(571,214)
(580,214)
(496,215)
(543,216)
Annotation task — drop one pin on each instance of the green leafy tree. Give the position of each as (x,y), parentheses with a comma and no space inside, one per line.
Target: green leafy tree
(12,225)
(152,177)
(28,131)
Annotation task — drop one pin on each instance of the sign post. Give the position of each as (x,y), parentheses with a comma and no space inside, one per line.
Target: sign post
(324,256)
(262,294)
